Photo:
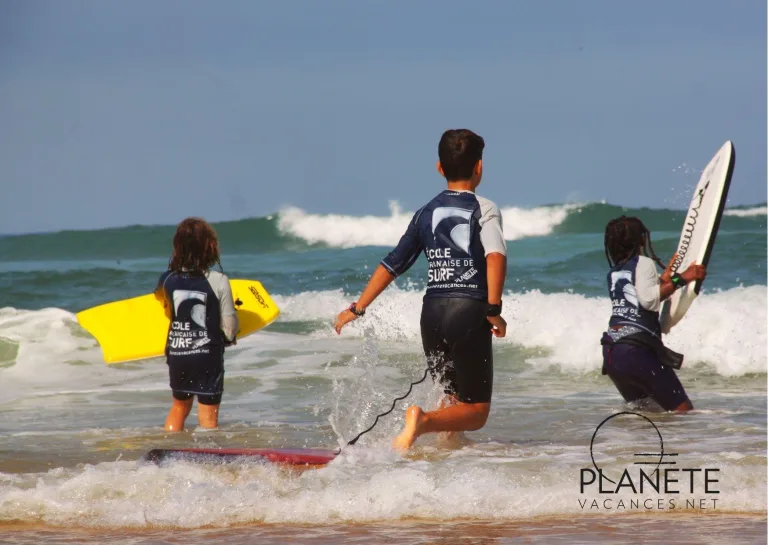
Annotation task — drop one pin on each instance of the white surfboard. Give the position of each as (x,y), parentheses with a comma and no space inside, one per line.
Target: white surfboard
(699,230)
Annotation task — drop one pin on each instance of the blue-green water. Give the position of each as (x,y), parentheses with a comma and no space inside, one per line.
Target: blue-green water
(72,428)
(298,252)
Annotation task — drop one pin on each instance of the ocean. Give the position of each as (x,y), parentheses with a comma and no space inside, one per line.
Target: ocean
(73,430)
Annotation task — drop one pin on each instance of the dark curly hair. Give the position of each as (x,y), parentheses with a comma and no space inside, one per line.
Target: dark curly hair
(195,247)
(625,237)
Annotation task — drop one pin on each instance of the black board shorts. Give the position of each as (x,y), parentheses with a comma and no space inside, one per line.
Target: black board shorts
(456,336)
(206,381)
(638,374)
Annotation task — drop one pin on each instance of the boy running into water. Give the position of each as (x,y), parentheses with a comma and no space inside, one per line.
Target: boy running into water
(203,322)
(634,356)
(461,236)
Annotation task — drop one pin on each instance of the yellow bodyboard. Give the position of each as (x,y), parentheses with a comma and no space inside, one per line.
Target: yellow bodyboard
(136,328)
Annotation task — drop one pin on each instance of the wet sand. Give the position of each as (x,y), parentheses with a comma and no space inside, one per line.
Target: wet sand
(631,529)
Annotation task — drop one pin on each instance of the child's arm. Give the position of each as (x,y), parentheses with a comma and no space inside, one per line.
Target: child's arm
(229,324)
(397,262)
(495,246)
(497,274)
(380,279)
(648,284)
(220,284)
(668,285)
(160,294)
(652,288)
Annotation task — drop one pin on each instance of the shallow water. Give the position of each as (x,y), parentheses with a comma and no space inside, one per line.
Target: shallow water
(73,430)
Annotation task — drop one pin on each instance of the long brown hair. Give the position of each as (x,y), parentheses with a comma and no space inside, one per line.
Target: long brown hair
(195,247)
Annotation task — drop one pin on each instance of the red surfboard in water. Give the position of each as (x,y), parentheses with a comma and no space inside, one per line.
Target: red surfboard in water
(298,458)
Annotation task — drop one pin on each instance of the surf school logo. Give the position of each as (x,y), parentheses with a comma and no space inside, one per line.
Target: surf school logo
(183,336)
(628,289)
(450,227)
(632,470)
(190,305)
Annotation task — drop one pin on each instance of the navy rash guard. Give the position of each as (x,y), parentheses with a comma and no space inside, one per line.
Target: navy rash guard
(631,306)
(455,230)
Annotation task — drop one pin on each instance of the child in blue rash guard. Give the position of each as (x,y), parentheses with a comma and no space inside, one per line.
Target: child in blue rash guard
(203,322)
(634,357)
(461,235)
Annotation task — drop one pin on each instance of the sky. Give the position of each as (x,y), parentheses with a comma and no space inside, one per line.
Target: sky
(120,113)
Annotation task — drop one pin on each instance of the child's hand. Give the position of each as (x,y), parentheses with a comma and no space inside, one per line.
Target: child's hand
(666,276)
(343,319)
(498,325)
(694,273)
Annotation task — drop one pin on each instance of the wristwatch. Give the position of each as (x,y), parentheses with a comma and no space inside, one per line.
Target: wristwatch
(353,310)
(678,281)
(493,310)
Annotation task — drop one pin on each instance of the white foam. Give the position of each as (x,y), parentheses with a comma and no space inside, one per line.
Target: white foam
(55,355)
(367,483)
(724,329)
(535,222)
(46,344)
(747,212)
(353,231)
(345,231)
(373,487)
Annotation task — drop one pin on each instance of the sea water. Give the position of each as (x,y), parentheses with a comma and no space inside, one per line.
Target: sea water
(72,429)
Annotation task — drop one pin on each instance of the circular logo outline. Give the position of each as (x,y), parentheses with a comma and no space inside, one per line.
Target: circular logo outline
(592,442)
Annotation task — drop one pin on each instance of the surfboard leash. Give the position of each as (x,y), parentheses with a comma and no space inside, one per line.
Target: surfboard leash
(392,408)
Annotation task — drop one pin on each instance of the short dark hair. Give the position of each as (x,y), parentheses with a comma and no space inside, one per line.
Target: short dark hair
(459,151)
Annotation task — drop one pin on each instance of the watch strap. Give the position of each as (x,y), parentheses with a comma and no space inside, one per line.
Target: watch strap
(353,309)
(678,281)
(493,310)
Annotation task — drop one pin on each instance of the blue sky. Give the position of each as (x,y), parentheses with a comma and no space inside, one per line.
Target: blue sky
(118,112)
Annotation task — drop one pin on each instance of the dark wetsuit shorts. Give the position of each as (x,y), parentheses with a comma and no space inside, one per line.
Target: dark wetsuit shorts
(457,342)
(638,374)
(204,381)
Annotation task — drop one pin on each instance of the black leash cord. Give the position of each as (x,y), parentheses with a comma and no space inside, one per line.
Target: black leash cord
(394,402)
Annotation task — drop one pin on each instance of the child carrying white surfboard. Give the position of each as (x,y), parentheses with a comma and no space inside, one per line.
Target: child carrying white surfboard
(634,356)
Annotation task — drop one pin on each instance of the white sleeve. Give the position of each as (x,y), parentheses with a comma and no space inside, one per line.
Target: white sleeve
(647,284)
(491,228)
(220,284)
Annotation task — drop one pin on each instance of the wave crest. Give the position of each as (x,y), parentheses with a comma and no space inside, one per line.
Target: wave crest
(341,231)
(747,212)
(726,329)
(297,229)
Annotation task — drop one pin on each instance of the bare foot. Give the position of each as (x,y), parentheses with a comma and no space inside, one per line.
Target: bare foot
(413,419)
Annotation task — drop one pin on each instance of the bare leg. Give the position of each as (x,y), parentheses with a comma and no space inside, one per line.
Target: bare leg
(450,437)
(458,417)
(178,414)
(208,416)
